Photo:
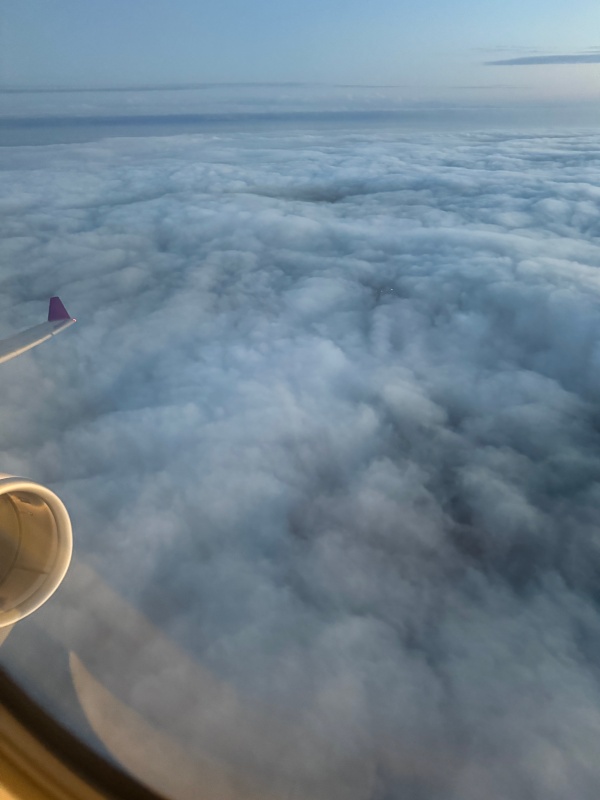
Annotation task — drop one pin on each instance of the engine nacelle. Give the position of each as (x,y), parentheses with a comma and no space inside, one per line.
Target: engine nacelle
(36,543)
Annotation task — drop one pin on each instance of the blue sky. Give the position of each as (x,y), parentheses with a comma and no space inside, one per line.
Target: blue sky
(433,49)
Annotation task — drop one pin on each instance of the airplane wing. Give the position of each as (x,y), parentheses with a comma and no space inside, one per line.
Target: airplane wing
(58,320)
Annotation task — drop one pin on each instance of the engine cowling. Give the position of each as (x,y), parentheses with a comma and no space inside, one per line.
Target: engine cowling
(36,543)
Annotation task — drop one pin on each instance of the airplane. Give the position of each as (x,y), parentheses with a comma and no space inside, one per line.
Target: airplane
(36,539)
(59,320)
(40,758)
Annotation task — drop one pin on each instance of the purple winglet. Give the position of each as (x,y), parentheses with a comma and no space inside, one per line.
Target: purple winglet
(57,311)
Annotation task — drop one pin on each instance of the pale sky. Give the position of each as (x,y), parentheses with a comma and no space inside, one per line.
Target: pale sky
(432,49)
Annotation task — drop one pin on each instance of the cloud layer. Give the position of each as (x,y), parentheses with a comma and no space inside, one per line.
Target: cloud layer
(330,417)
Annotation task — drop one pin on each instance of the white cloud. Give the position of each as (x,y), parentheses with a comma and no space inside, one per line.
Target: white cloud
(337,395)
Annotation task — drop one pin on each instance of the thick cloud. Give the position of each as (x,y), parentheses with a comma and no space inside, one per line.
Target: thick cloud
(330,418)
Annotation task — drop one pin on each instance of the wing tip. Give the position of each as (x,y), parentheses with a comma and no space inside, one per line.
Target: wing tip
(57,311)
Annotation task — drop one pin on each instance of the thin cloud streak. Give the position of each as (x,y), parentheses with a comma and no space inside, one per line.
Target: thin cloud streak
(576,58)
(183,87)
(159,87)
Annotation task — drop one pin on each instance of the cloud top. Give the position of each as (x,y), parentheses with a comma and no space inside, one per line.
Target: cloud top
(332,425)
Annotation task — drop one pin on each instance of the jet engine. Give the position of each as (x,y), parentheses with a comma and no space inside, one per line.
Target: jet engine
(36,543)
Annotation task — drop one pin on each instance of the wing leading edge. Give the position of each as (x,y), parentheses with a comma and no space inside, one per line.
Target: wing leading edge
(58,320)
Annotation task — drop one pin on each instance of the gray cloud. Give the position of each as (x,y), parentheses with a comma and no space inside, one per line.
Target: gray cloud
(570,58)
(329,417)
